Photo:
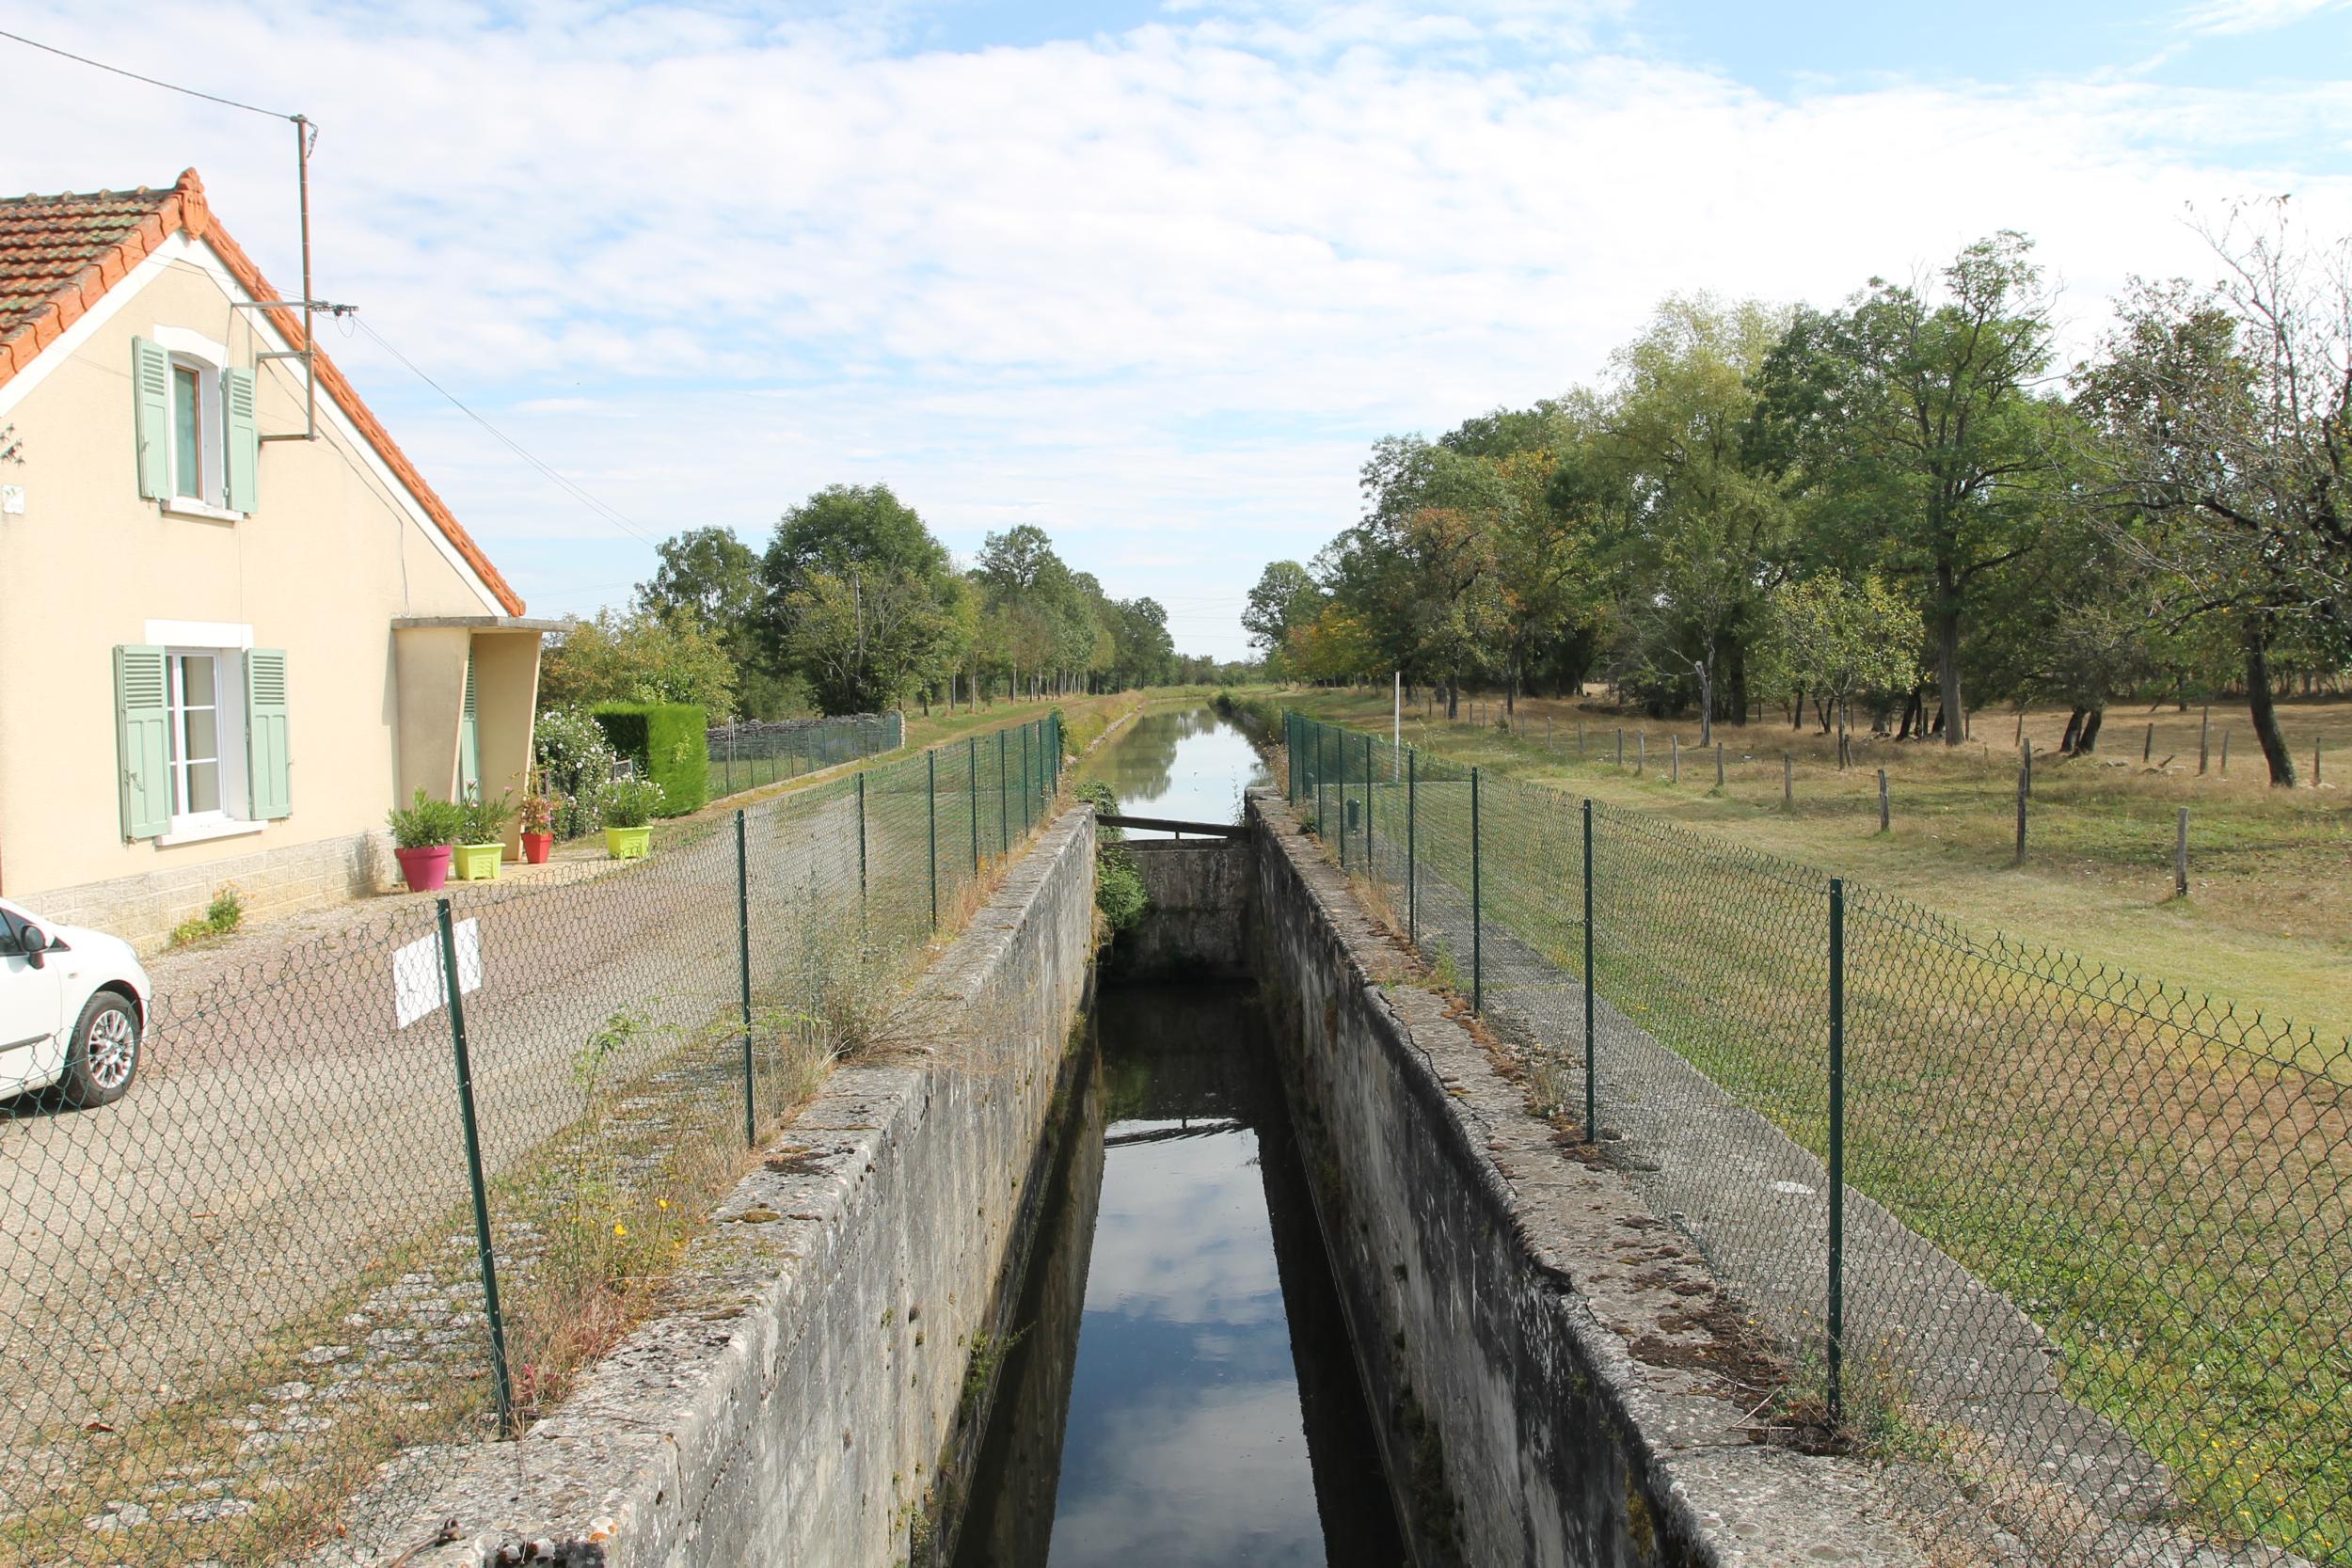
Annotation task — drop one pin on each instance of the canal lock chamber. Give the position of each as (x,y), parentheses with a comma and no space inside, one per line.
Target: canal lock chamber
(1176,1385)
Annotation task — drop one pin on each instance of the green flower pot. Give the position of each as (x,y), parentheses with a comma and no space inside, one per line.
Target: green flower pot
(477,862)
(628,844)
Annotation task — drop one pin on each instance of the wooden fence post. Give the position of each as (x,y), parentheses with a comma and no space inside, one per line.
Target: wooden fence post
(1884,821)
(2180,856)
(2024,789)
(1788,783)
(2204,728)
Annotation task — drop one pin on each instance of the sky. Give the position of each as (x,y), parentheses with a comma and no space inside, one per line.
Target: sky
(1150,276)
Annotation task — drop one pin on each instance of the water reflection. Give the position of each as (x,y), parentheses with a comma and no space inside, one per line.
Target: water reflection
(1186,764)
(1211,1414)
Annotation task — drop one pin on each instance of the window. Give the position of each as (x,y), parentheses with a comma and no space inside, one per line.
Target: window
(196,715)
(201,733)
(197,433)
(188,427)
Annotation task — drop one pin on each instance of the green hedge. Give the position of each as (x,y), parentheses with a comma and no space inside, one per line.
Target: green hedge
(669,743)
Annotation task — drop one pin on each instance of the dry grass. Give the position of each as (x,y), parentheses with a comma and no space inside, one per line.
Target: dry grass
(2268,922)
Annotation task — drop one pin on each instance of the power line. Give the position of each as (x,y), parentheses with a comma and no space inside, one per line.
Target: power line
(152,82)
(613,515)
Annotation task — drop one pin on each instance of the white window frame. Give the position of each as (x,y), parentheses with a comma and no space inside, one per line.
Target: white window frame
(229,720)
(193,351)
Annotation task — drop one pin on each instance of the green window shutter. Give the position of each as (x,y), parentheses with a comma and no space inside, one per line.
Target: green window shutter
(469,740)
(143,739)
(269,769)
(151,391)
(242,454)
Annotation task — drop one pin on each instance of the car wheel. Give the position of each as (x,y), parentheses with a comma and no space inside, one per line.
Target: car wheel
(103,1055)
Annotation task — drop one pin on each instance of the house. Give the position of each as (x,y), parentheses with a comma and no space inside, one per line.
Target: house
(233,633)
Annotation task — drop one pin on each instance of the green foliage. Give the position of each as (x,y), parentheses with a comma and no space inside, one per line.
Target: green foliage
(634,802)
(1285,596)
(645,658)
(484,821)
(223,915)
(1119,889)
(424,823)
(708,576)
(576,763)
(862,600)
(670,744)
(863,638)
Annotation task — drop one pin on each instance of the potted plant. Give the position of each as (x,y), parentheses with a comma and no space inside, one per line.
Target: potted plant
(483,841)
(538,820)
(424,834)
(629,805)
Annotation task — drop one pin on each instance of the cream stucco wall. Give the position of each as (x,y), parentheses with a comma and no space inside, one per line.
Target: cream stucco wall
(331,554)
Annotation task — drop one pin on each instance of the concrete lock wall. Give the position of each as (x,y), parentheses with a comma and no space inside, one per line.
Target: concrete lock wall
(1197,889)
(805,1426)
(1542,1358)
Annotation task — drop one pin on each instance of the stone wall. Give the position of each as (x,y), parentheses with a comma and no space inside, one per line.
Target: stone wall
(1554,1377)
(798,1413)
(142,910)
(1198,887)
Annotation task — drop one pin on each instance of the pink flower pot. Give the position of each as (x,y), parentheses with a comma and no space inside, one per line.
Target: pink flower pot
(425,869)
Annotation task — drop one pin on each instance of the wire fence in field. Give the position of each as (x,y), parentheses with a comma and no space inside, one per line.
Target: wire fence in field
(758,752)
(386,1193)
(2070,1250)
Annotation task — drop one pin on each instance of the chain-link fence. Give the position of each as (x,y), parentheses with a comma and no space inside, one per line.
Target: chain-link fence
(2070,1250)
(386,1192)
(761,752)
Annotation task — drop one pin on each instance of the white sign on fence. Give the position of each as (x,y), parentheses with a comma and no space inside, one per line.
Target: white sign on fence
(417,988)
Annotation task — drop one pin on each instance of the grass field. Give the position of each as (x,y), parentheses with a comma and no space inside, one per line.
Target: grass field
(2164,1193)
(2267,924)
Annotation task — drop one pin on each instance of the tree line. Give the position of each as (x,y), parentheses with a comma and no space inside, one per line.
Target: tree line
(854,607)
(1893,511)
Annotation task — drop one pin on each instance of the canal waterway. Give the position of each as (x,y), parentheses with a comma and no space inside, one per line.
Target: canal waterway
(1182,1392)
(1189,764)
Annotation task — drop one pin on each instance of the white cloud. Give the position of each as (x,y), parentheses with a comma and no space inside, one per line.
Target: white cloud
(1155,292)
(2252,16)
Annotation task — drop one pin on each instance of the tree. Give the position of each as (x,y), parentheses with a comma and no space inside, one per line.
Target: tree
(2226,419)
(876,590)
(637,659)
(1700,526)
(1417,577)
(709,576)
(863,636)
(1285,595)
(1914,429)
(1144,654)
(1841,638)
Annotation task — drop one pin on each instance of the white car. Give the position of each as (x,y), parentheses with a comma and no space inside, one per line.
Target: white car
(72,1009)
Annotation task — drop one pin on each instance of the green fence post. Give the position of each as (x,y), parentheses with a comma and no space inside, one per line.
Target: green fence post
(972,767)
(1339,740)
(1478,968)
(931,799)
(1837,1146)
(501,1380)
(1591,1056)
(1412,847)
(1322,829)
(1368,860)
(744,948)
(861,843)
(1003,814)
(1028,779)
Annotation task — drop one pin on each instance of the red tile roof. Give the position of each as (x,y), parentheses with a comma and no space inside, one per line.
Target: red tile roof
(60,254)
